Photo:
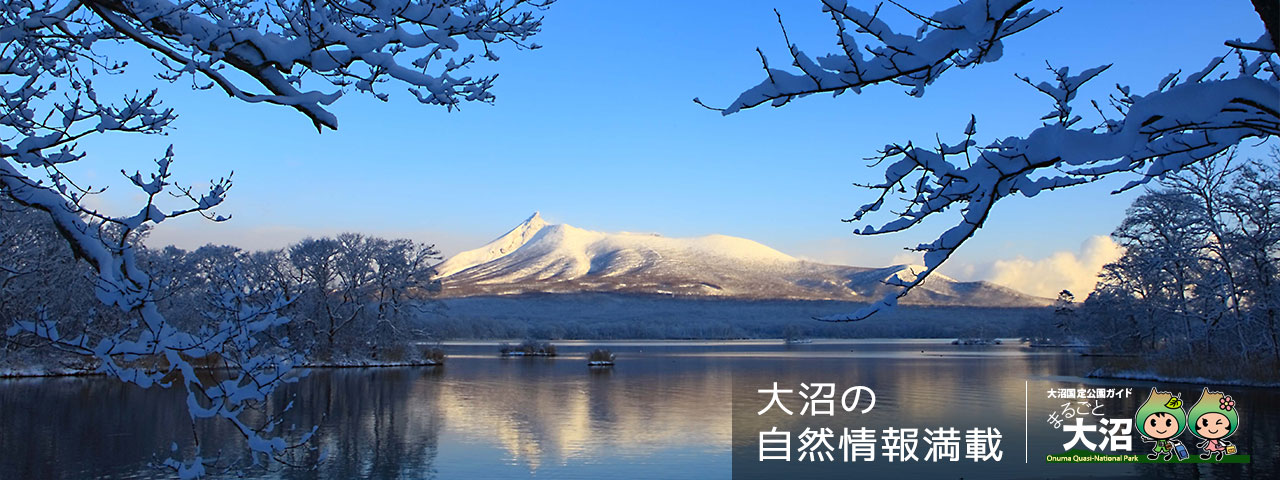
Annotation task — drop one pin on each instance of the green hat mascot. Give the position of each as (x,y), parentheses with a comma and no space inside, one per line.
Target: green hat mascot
(1160,420)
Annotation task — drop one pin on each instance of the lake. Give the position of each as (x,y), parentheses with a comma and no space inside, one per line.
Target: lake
(667,410)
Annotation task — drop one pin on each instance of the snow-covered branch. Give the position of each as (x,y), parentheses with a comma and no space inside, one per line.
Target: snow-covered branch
(1177,124)
(348,43)
(961,36)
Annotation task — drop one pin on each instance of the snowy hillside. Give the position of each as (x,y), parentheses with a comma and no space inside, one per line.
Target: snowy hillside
(539,257)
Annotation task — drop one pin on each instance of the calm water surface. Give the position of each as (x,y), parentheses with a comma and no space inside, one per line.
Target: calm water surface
(665,411)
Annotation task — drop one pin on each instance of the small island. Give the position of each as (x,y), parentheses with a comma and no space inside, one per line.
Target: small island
(976,341)
(528,348)
(600,357)
(795,334)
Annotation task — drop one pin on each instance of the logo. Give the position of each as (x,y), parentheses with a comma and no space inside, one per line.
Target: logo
(1162,422)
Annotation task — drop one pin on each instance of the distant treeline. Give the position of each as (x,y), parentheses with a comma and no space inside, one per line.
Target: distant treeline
(602,316)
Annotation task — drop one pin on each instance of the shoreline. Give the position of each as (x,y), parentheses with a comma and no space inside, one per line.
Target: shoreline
(1099,372)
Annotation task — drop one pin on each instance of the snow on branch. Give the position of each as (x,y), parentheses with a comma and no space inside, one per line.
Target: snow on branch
(1175,125)
(962,36)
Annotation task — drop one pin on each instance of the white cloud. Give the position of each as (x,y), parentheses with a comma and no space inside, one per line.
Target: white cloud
(907,258)
(1074,271)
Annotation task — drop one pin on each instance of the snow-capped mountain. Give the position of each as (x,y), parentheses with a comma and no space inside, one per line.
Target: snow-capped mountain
(539,257)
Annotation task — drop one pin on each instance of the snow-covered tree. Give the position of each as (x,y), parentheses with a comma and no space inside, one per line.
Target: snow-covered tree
(354,282)
(1253,246)
(1141,134)
(298,54)
(403,275)
(1164,237)
(39,276)
(1199,275)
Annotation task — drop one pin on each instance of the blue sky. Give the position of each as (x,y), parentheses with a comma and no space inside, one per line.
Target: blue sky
(598,130)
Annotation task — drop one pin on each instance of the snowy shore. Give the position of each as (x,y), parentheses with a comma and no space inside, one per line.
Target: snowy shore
(1153,377)
(41,371)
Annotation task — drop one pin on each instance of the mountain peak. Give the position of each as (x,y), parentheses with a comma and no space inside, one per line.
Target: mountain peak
(500,247)
(534,219)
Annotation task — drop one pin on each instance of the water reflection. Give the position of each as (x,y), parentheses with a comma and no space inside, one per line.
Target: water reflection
(374,424)
(664,411)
